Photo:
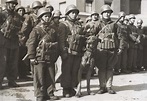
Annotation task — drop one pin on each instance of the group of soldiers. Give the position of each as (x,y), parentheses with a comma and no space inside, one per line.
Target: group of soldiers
(42,35)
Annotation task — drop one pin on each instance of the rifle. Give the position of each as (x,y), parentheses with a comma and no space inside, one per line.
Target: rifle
(100,34)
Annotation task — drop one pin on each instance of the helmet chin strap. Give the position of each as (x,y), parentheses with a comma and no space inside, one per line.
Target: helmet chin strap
(44,22)
(69,18)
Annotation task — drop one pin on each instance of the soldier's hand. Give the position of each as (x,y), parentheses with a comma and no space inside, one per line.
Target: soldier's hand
(33,61)
(7,34)
(119,51)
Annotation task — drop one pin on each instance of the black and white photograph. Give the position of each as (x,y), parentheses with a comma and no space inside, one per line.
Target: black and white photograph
(73,50)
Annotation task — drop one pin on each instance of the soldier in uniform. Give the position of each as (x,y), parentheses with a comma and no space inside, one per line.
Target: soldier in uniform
(9,47)
(42,48)
(140,44)
(92,26)
(107,50)
(22,67)
(121,65)
(30,22)
(71,47)
(132,51)
(55,25)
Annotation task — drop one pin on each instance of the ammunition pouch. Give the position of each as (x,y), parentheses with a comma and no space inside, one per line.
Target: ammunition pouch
(76,43)
(47,51)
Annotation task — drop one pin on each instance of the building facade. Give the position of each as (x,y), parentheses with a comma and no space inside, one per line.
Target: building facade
(137,7)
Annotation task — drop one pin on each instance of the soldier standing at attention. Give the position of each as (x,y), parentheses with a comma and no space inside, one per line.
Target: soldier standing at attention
(132,51)
(9,47)
(42,48)
(71,46)
(121,65)
(22,67)
(30,22)
(107,50)
(140,44)
(55,25)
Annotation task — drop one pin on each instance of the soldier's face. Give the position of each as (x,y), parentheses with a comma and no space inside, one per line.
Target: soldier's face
(106,15)
(56,20)
(94,17)
(131,21)
(11,6)
(73,15)
(139,24)
(21,12)
(46,17)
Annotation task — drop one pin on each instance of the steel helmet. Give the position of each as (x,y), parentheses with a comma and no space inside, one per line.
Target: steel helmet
(43,11)
(57,13)
(94,12)
(71,8)
(49,6)
(122,14)
(12,1)
(19,7)
(132,16)
(140,21)
(37,4)
(105,8)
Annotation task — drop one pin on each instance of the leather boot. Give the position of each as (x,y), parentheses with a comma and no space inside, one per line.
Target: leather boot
(110,90)
(12,84)
(101,90)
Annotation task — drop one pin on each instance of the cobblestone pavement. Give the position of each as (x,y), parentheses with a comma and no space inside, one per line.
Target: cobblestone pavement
(129,87)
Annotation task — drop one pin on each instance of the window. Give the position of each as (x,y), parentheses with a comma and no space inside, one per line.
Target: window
(135,6)
(108,2)
(89,6)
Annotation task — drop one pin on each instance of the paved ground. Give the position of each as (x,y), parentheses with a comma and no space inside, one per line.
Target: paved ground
(130,87)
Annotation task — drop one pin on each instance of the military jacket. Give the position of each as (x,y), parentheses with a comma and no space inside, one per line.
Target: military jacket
(140,37)
(91,27)
(133,36)
(72,38)
(123,34)
(42,43)
(10,26)
(108,34)
(29,23)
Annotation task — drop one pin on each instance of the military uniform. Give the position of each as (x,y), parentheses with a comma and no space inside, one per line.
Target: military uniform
(9,45)
(71,46)
(132,51)
(124,55)
(107,51)
(42,46)
(140,49)
(29,23)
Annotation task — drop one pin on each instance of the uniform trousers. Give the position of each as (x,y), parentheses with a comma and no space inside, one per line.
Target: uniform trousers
(44,83)
(9,63)
(105,61)
(124,59)
(70,67)
(132,58)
